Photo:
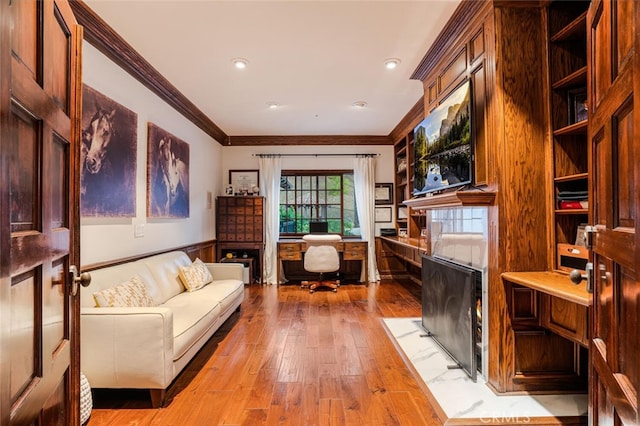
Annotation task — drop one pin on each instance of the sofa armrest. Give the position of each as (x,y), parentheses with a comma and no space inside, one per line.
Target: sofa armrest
(226,271)
(127,347)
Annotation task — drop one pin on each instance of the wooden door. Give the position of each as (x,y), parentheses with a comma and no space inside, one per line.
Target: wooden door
(615,149)
(39,118)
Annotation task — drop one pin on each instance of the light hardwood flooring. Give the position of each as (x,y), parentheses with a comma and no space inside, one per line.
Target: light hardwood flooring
(292,358)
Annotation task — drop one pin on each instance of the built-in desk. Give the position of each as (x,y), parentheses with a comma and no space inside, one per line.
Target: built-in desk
(563,305)
(349,249)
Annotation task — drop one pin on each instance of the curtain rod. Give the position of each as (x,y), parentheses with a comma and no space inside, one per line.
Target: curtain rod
(316,155)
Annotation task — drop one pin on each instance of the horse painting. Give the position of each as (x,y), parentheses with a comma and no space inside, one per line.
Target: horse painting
(168,164)
(108,157)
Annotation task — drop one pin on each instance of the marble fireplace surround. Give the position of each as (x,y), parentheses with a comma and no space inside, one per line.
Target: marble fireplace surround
(460,234)
(461,401)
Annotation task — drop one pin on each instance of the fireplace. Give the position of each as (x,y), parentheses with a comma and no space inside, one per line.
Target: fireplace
(452,310)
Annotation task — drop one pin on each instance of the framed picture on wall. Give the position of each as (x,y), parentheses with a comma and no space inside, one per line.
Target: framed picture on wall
(244,181)
(383,214)
(384,193)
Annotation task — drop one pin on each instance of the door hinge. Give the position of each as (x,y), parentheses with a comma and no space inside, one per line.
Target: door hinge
(588,269)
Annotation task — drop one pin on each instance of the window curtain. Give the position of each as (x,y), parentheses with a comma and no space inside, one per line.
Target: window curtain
(270,170)
(364,181)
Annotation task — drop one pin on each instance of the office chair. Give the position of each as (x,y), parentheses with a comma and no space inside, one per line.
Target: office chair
(321,256)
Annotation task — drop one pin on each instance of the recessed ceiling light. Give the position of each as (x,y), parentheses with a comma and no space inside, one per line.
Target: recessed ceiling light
(273,105)
(239,63)
(359,104)
(391,63)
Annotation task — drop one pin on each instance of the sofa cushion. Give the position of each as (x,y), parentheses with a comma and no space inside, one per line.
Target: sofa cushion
(131,293)
(164,269)
(193,315)
(195,276)
(225,291)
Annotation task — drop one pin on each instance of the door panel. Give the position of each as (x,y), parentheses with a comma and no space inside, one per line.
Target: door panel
(38,132)
(614,369)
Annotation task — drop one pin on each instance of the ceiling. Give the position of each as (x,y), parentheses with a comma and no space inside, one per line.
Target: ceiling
(315,59)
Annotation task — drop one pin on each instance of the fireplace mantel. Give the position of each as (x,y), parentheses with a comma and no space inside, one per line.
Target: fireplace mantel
(474,198)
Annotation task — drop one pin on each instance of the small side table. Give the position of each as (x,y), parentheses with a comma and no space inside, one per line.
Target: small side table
(246,261)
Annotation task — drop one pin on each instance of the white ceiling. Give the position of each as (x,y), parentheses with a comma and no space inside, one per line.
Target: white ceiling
(314,58)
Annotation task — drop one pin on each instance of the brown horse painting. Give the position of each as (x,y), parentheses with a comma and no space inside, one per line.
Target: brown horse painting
(108,157)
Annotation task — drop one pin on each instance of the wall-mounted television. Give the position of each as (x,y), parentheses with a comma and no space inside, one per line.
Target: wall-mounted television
(443,144)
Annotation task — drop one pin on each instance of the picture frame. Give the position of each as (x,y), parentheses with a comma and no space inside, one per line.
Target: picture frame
(244,181)
(577,102)
(382,214)
(383,193)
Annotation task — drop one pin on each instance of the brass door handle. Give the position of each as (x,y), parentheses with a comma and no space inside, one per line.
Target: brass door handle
(83,279)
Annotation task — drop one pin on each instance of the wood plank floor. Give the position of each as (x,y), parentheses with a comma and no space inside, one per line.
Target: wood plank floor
(292,358)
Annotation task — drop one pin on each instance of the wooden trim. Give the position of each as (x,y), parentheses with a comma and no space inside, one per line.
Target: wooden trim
(453,199)
(202,247)
(106,40)
(309,140)
(457,24)
(409,121)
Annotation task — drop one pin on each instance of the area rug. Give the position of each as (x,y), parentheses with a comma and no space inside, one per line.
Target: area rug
(460,400)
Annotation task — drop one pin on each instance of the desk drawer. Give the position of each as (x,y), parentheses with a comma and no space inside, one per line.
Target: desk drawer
(355,251)
(289,251)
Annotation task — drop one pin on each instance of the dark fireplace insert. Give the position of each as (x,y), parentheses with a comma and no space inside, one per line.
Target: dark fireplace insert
(451,310)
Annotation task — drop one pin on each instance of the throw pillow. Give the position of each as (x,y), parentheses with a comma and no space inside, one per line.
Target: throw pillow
(195,276)
(131,293)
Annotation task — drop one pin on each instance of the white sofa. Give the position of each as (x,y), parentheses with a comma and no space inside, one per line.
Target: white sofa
(146,347)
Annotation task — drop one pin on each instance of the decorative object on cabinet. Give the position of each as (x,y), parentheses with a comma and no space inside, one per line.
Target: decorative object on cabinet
(384,193)
(167,174)
(244,182)
(383,214)
(108,157)
(578,108)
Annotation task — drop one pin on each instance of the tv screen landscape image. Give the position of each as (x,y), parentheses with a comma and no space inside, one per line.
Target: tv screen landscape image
(443,145)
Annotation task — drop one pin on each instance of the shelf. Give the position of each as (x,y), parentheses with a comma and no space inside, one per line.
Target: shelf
(453,199)
(571,178)
(401,151)
(579,128)
(552,283)
(572,211)
(575,30)
(576,78)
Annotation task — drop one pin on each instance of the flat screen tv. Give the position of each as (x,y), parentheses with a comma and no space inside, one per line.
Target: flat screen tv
(449,297)
(443,145)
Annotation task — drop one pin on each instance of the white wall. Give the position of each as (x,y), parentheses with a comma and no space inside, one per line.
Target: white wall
(103,239)
(241,158)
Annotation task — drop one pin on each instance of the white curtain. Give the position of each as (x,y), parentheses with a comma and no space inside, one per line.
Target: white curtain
(364,172)
(270,169)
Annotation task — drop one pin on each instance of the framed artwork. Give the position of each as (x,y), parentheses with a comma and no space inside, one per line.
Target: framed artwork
(577,101)
(167,175)
(244,182)
(384,193)
(382,214)
(107,157)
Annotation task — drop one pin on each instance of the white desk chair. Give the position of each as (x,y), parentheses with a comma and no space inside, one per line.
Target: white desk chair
(321,256)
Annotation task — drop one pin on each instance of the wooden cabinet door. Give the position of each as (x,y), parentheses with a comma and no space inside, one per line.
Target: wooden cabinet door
(614,115)
(39,117)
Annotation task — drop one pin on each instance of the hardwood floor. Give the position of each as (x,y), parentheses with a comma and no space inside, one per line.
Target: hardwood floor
(293,358)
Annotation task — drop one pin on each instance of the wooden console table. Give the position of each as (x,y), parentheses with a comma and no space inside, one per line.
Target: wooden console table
(350,250)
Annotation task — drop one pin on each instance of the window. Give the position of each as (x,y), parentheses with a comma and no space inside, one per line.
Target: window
(307,196)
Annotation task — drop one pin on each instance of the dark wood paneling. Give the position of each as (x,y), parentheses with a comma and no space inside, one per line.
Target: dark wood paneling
(308,140)
(452,72)
(448,37)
